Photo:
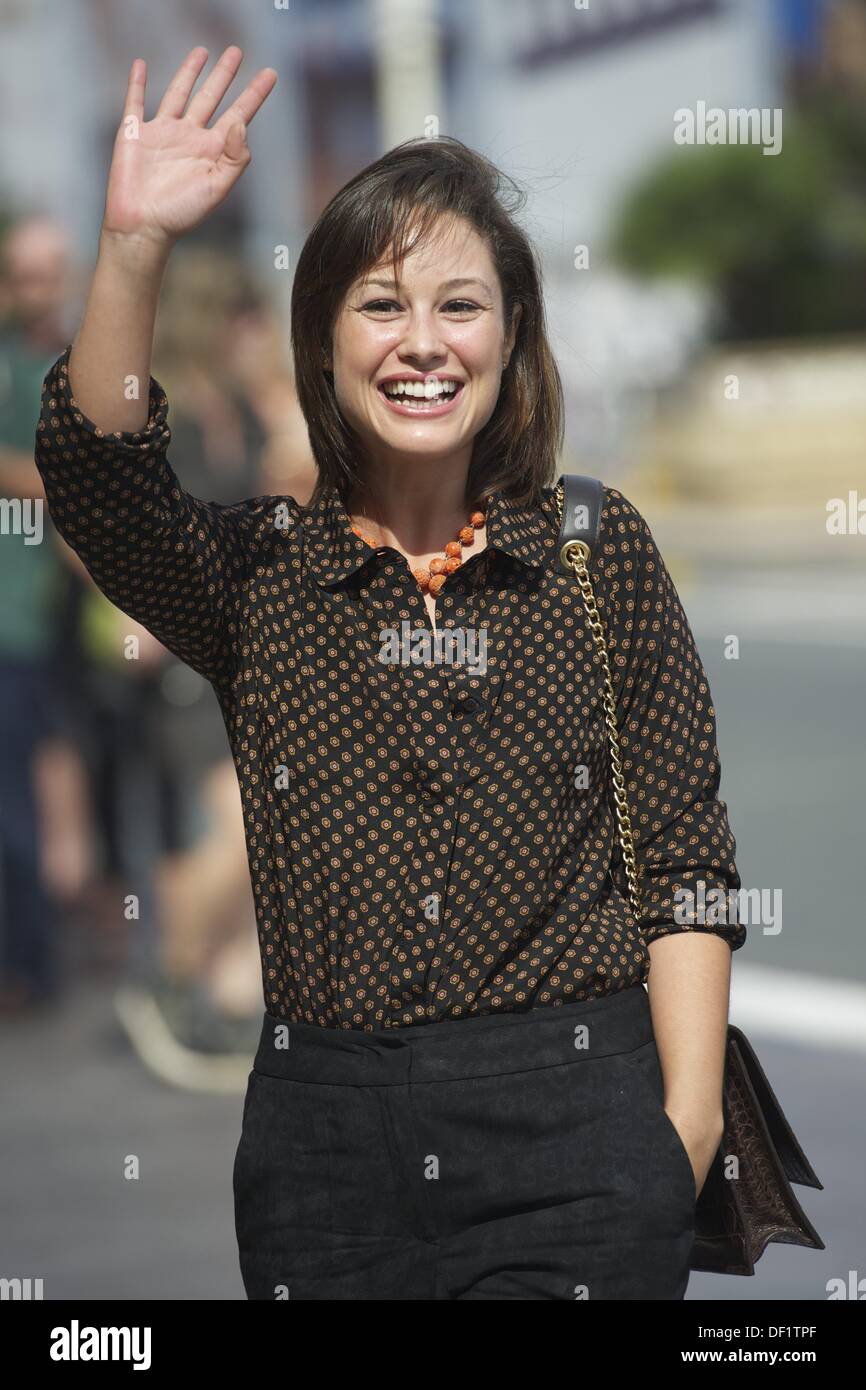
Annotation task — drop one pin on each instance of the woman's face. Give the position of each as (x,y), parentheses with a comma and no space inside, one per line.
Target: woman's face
(442,330)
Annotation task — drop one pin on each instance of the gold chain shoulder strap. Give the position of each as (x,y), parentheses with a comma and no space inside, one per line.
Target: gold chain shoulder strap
(575,555)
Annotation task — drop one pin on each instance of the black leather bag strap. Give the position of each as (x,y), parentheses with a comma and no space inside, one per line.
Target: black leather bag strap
(581,513)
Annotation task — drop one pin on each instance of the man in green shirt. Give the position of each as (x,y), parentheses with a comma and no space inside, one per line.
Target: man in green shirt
(33,580)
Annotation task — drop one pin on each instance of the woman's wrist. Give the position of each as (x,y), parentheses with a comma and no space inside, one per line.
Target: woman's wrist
(135,253)
(698,1123)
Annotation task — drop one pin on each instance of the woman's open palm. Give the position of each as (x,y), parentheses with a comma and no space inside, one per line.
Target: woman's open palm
(169,173)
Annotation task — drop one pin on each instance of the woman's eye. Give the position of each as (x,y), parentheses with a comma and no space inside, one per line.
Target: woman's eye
(454,306)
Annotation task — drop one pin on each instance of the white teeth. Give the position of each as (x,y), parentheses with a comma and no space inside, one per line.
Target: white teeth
(428,390)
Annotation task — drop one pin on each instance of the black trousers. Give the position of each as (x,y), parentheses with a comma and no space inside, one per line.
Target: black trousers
(511,1156)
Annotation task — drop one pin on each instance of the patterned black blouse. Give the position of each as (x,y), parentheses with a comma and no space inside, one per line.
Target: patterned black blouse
(429,832)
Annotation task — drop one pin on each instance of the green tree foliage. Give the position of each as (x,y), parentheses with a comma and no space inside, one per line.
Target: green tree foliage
(781,239)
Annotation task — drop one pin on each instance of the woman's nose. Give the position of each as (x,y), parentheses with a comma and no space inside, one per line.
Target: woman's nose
(422,340)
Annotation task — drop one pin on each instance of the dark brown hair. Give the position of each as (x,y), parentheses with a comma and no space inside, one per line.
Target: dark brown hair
(389,207)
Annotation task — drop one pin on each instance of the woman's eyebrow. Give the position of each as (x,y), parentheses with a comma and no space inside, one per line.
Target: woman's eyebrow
(446,285)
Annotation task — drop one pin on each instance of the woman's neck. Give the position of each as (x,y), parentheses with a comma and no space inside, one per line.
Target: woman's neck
(416,515)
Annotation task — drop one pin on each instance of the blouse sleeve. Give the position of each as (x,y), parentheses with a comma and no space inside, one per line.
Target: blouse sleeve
(169,561)
(683,843)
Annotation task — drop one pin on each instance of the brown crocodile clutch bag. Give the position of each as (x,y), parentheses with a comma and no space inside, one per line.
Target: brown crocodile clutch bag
(739,1212)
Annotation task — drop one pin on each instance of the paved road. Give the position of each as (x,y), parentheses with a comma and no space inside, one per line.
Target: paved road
(790,721)
(75,1102)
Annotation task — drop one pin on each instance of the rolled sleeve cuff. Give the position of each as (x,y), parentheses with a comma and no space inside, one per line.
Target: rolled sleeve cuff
(58,400)
(692,904)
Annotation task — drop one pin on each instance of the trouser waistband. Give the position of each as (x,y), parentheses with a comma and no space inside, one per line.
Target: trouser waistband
(489,1044)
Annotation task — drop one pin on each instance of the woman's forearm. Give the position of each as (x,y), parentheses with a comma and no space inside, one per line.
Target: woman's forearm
(689,991)
(109,364)
(689,988)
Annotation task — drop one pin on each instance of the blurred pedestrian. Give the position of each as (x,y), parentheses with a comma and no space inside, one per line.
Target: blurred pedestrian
(45,853)
(197,1006)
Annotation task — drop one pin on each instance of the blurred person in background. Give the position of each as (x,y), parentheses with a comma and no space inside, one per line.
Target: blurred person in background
(83,819)
(46,848)
(255,360)
(239,431)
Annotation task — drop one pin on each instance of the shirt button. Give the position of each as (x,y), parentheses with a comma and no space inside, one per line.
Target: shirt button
(466,704)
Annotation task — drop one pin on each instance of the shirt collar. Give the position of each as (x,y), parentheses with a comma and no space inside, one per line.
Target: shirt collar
(528,534)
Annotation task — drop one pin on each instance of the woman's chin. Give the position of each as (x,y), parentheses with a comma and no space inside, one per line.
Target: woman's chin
(415,437)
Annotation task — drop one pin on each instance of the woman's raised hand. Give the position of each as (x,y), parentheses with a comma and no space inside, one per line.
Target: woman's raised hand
(169,173)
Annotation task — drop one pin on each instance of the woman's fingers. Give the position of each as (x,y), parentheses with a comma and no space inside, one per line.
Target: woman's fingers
(245,106)
(176,100)
(212,91)
(178,91)
(134,101)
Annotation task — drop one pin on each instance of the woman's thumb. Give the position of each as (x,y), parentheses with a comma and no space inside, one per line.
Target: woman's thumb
(236,141)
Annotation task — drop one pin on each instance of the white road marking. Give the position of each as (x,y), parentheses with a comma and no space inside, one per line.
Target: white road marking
(799,1008)
(786,614)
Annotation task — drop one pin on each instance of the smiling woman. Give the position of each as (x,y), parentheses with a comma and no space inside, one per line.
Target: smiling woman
(445,1101)
(417,272)
(422,298)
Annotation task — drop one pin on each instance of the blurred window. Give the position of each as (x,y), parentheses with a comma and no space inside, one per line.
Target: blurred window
(548,32)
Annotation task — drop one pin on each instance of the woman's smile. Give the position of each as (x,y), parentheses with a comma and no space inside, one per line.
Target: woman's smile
(430,395)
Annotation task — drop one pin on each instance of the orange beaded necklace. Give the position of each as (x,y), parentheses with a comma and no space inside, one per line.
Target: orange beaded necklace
(431,578)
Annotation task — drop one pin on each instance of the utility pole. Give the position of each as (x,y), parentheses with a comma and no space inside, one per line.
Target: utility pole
(407,55)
